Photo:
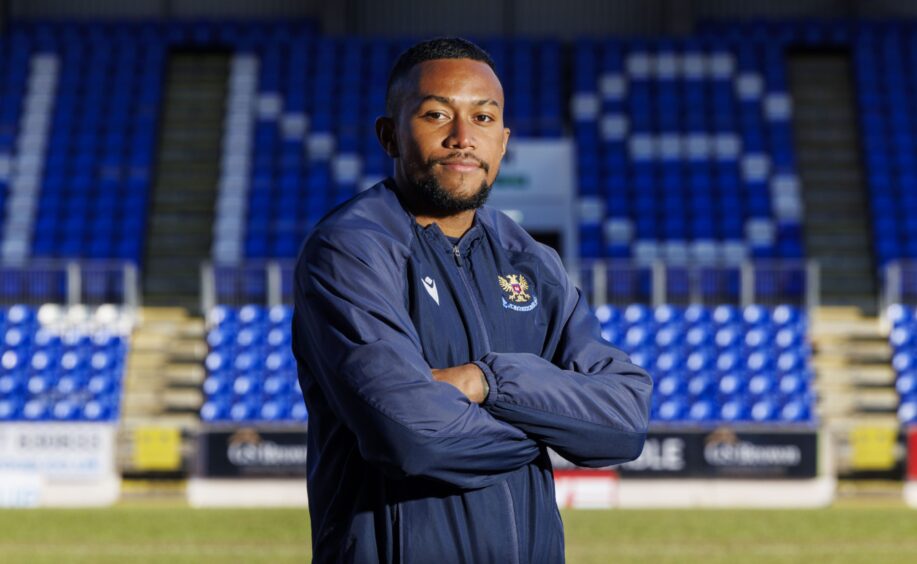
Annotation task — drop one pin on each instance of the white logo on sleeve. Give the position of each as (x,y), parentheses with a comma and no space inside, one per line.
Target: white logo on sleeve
(430,286)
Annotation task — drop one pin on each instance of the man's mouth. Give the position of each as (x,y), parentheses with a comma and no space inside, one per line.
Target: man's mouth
(462,165)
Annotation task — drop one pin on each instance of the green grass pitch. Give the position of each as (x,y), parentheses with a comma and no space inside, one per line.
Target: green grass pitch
(176,534)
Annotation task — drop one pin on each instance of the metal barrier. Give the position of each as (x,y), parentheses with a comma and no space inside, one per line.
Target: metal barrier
(899,284)
(767,282)
(258,282)
(87,282)
(617,282)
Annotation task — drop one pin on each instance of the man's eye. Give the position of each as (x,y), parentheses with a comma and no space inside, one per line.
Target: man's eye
(485,118)
(436,115)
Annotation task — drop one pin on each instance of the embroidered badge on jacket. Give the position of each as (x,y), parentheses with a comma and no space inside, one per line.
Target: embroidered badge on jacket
(516,293)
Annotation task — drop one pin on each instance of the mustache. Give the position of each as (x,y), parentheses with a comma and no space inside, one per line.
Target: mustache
(458,155)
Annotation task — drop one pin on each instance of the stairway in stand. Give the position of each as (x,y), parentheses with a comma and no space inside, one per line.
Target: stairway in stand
(181,221)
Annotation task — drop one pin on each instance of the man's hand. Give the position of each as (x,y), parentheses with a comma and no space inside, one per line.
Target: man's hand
(468,378)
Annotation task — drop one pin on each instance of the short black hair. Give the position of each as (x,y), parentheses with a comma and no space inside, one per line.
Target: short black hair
(429,50)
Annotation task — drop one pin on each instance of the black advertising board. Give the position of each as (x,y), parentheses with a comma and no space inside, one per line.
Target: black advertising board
(718,453)
(252,453)
(723,453)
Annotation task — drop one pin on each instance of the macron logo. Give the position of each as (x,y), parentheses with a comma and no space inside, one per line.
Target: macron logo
(430,286)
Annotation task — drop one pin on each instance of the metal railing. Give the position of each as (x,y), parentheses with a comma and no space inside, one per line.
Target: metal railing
(899,284)
(260,282)
(88,282)
(617,282)
(767,282)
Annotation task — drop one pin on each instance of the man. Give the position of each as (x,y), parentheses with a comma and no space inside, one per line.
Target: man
(441,350)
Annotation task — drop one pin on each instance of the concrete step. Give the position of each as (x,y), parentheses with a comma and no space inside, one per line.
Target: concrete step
(142,403)
(190,300)
(149,341)
(816,239)
(189,350)
(188,171)
(180,420)
(853,376)
(191,282)
(849,193)
(876,401)
(864,351)
(182,400)
(152,314)
(185,374)
(143,383)
(858,291)
(862,263)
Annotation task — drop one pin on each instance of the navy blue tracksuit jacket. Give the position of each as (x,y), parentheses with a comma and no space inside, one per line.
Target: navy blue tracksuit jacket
(406,469)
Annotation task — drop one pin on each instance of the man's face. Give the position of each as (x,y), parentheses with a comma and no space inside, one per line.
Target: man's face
(449,133)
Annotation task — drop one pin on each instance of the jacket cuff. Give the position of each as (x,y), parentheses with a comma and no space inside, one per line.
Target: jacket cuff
(491,383)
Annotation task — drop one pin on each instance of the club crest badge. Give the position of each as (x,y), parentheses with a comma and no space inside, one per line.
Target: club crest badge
(516,294)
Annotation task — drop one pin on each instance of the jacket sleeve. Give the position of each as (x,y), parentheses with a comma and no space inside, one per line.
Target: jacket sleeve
(589,403)
(353,334)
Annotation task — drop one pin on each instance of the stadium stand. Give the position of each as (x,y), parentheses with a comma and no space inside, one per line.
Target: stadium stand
(84,143)
(687,147)
(251,375)
(722,364)
(62,364)
(673,137)
(685,155)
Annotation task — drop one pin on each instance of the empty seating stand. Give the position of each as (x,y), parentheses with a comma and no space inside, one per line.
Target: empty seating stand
(251,374)
(720,364)
(710,365)
(310,140)
(60,365)
(686,147)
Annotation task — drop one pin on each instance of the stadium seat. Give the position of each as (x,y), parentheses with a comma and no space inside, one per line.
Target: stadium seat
(57,370)
(719,364)
(251,374)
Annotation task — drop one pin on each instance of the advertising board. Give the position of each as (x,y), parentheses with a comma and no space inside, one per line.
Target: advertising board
(722,453)
(62,451)
(254,453)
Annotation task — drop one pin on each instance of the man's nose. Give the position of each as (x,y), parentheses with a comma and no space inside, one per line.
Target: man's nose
(460,135)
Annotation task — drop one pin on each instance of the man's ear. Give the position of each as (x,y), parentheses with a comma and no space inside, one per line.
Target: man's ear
(385,133)
(505,140)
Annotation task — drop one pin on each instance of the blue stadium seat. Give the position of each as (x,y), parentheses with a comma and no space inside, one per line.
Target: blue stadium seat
(251,374)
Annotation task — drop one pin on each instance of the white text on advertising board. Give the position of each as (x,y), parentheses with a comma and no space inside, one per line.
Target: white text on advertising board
(660,455)
(743,453)
(247,447)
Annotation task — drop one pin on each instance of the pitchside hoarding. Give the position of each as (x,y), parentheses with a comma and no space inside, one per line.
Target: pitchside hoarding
(57,464)
(56,451)
(722,453)
(252,453)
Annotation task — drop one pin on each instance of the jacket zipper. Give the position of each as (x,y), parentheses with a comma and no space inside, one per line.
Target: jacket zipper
(457,255)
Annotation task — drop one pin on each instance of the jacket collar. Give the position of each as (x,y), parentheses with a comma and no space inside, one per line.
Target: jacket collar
(434,234)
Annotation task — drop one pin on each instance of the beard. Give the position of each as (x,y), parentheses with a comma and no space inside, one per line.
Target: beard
(438,201)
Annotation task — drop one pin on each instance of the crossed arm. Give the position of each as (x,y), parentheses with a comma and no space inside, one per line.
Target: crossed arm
(468,378)
(589,403)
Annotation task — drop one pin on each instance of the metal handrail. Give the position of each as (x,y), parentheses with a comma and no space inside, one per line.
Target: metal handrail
(70,282)
(597,278)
